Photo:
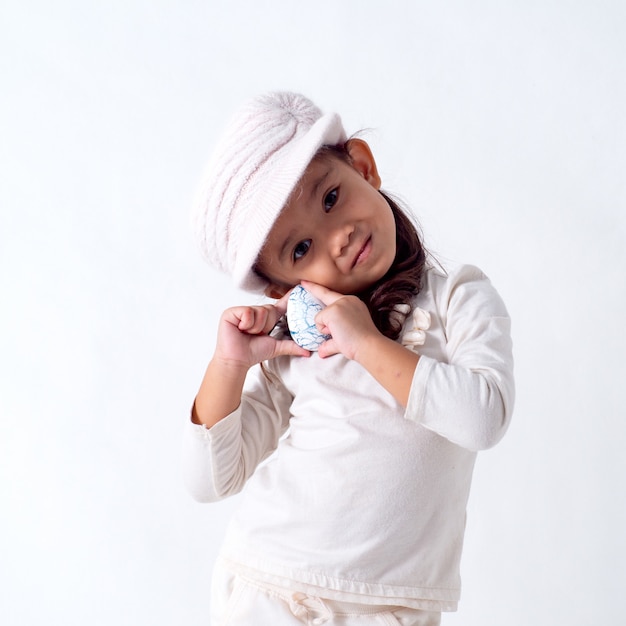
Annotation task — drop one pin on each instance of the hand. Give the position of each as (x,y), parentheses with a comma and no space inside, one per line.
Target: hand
(355,336)
(346,318)
(243,338)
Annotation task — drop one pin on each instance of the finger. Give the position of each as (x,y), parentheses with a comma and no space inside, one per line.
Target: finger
(267,316)
(244,317)
(253,320)
(328,348)
(325,295)
(320,323)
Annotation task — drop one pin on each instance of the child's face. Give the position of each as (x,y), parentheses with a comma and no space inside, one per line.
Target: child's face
(337,229)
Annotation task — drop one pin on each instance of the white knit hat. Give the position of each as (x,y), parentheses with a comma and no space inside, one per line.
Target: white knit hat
(259,160)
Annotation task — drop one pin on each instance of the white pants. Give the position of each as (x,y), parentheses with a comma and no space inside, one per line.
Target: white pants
(239,601)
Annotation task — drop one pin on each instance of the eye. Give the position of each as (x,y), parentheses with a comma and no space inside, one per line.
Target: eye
(330,199)
(301,249)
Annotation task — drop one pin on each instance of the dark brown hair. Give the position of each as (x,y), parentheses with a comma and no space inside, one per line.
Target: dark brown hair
(403,280)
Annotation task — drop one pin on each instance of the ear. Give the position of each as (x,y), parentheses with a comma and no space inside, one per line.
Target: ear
(363,161)
(276,292)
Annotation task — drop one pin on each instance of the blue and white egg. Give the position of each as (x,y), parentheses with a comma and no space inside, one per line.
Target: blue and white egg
(302,307)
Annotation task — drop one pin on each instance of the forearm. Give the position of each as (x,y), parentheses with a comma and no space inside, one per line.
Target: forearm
(220,392)
(391,364)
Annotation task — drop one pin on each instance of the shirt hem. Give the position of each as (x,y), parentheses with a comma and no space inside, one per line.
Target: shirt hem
(342,590)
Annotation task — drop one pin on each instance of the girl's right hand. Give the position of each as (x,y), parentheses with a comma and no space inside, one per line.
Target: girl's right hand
(242,341)
(243,335)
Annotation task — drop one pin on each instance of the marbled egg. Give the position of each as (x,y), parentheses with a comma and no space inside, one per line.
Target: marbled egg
(302,307)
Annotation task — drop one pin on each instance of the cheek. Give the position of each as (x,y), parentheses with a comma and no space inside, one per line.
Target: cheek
(390,227)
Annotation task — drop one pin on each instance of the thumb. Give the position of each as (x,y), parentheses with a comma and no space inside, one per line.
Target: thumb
(288,347)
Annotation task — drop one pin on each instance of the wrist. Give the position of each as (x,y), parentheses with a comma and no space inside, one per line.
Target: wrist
(228,368)
(369,349)
(220,392)
(391,364)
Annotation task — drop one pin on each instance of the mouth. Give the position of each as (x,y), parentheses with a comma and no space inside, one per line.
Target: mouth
(363,253)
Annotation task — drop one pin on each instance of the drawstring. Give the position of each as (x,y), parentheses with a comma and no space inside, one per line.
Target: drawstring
(310,610)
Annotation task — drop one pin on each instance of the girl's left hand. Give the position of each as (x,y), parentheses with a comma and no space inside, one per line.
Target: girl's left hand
(346,318)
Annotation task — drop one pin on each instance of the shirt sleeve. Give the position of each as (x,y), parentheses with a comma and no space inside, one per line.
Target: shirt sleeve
(218,461)
(468,396)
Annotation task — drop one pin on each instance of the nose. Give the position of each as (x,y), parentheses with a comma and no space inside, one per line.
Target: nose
(339,239)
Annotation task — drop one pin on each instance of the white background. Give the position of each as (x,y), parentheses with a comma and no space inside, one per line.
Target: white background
(500,122)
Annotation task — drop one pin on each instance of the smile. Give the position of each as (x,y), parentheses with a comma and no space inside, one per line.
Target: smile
(364,252)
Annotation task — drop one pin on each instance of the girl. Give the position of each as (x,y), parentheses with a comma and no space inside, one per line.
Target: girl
(357,514)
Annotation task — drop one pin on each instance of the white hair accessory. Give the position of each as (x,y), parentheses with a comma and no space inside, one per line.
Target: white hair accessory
(259,160)
(415,335)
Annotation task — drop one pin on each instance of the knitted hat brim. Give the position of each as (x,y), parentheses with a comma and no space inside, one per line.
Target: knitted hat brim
(275,193)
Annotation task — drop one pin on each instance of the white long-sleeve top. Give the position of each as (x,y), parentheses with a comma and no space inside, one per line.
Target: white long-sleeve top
(360,499)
